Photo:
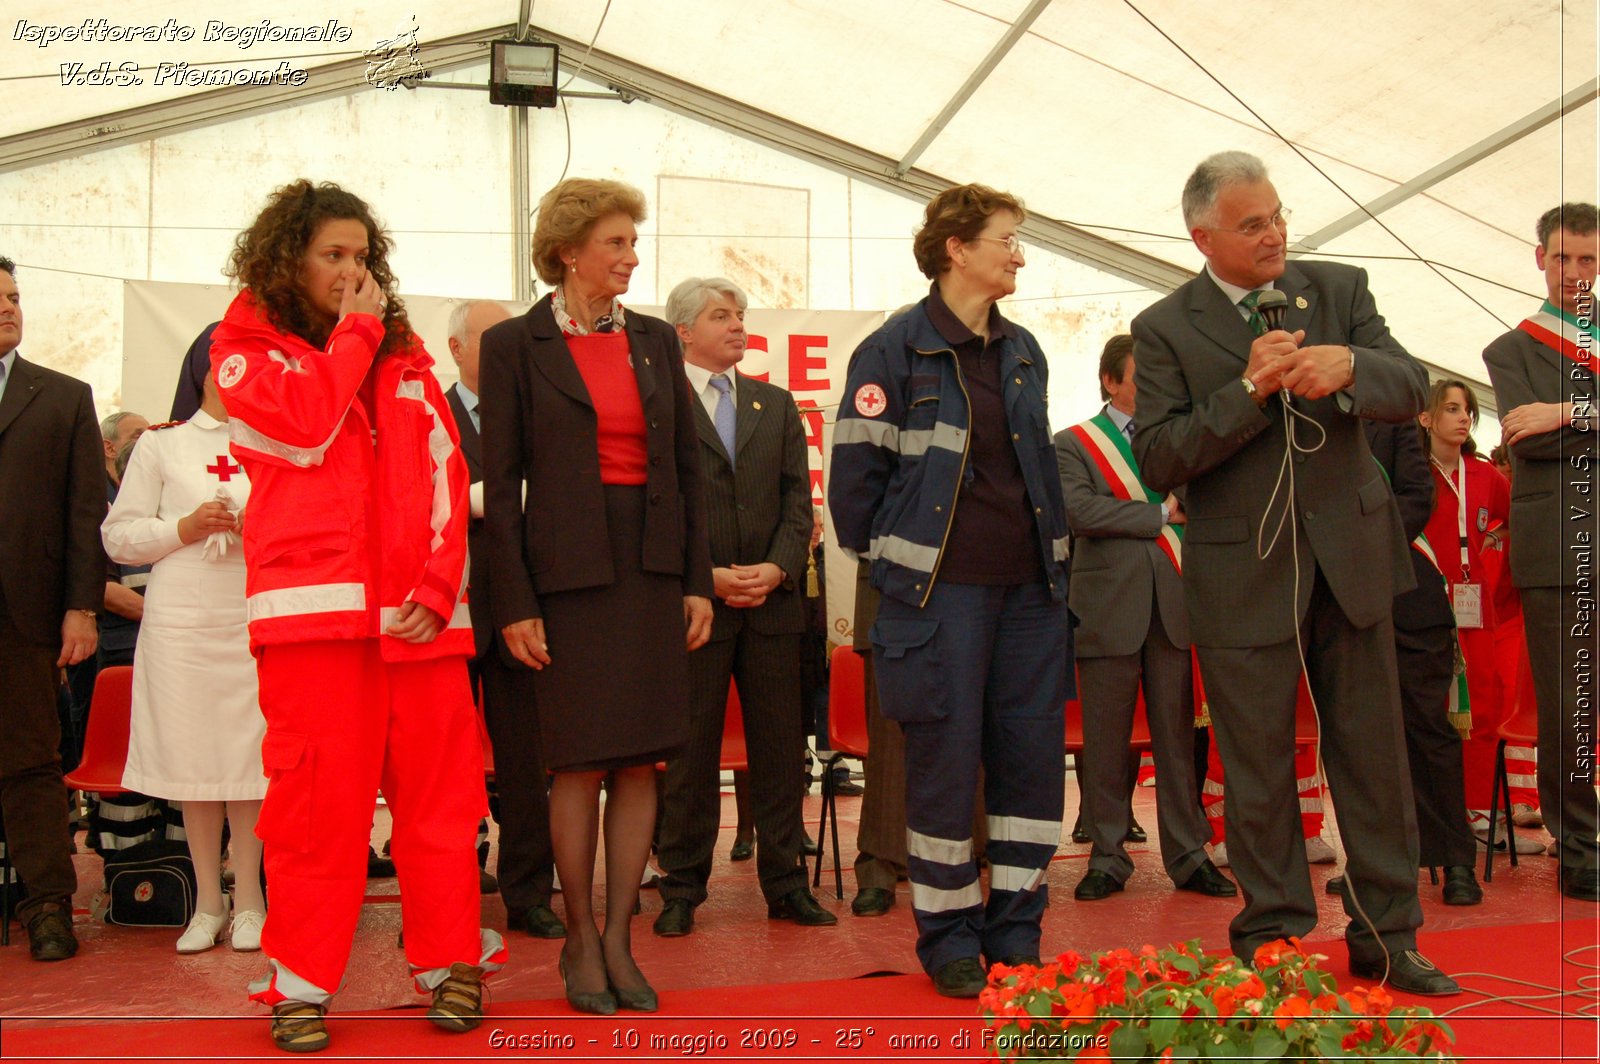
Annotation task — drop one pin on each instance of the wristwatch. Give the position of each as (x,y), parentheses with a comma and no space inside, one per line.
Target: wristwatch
(1253,392)
(91,614)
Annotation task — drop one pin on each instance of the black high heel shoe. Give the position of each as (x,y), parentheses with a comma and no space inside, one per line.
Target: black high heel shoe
(600,1003)
(642,1000)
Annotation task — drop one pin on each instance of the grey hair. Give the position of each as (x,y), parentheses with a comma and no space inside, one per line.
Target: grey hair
(1212,176)
(689,299)
(458,317)
(109,423)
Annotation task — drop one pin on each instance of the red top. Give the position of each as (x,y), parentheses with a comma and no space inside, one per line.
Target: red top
(1488,507)
(607,370)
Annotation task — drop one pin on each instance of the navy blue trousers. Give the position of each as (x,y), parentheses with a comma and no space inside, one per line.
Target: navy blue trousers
(978,676)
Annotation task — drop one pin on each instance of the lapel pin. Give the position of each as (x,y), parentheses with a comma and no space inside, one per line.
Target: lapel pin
(647,361)
(1300,301)
(757,405)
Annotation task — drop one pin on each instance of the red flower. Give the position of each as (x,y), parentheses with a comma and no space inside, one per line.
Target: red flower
(1290,1010)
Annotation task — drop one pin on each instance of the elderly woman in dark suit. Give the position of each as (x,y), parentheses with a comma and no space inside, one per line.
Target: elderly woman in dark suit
(603,574)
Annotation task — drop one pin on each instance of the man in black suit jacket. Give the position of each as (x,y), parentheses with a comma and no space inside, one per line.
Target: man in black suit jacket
(758,512)
(1425,652)
(52,580)
(526,868)
(1294,551)
(1544,378)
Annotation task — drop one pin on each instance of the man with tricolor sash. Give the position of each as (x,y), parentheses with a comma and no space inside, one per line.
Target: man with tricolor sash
(1133,630)
(1544,380)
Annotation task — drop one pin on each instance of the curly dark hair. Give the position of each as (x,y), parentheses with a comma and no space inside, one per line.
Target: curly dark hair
(267,259)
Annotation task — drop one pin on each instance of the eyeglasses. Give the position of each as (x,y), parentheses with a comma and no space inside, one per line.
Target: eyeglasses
(1013,245)
(1253,230)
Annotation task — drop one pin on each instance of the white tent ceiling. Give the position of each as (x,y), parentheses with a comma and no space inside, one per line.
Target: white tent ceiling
(1472,118)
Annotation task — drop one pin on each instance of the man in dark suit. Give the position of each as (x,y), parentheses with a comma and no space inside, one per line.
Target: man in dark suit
(1544,378)
(758,511)
(52,580)
(1425,651)
(1293,552)
(1133,632)
(526,868)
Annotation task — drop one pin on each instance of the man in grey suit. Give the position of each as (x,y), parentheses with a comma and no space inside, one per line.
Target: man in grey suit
(522,800)
(1133,631)
(758,513)
(1544,378)
(52,580)
(1293,552)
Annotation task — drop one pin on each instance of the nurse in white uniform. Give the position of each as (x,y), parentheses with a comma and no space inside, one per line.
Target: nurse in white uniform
(197,726)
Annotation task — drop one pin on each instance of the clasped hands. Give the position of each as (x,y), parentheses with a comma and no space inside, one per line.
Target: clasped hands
(1279,363)
(745,586)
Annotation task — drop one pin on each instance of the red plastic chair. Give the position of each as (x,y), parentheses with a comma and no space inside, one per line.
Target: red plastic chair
(735,757)
(105,747)
(847,737)
(1520,727)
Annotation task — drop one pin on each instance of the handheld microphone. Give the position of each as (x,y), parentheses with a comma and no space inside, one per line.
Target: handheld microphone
(1272,305)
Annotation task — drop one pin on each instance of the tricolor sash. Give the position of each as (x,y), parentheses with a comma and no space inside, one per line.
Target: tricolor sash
(1108,449)
(1573,337)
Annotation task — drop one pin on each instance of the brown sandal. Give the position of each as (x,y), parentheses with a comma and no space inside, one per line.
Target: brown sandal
(458,1001)
(298,1028)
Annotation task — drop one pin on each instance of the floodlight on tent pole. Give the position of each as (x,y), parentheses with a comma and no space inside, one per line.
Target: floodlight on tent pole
(523,74)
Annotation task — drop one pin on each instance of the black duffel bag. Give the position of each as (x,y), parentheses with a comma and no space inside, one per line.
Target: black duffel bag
(151,885)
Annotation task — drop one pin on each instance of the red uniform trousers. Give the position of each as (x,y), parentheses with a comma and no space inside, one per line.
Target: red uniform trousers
(342,722)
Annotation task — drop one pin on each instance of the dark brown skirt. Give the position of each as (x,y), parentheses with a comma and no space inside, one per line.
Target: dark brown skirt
(616,691)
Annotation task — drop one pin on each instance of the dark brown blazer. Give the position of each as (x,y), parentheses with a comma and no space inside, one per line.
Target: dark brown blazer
(539,425)
(759,508)
(52,500)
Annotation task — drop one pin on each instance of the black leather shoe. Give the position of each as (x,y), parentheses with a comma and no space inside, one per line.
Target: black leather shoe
(1409,971)
(798,905)
(676,919)
(1135,832)
(378,867)
(1334,885)
(808,845)
(1079,835)
(1017,960)
(487,884)
(539,921)
(1461,886)
(1208,880)
(742,851)
(872,901)
(1580,883)
(1096,886)
(50,936)
(964,978)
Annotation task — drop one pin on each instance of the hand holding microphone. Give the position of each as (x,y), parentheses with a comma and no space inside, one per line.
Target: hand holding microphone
(1272,352)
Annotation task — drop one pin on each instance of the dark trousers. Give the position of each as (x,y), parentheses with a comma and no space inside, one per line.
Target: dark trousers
(766,671)
(526,866)
(33,799)
(1564,653)
(1109,691)
(1351,673)
(978,677)
(1426,659)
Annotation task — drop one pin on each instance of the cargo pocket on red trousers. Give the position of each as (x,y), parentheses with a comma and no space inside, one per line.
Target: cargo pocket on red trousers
(290,765)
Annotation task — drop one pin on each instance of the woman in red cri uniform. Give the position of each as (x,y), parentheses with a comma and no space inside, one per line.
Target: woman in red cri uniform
(356,574)
(1471,504)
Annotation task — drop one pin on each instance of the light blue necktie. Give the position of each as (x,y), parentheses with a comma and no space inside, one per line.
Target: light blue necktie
(724,418)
